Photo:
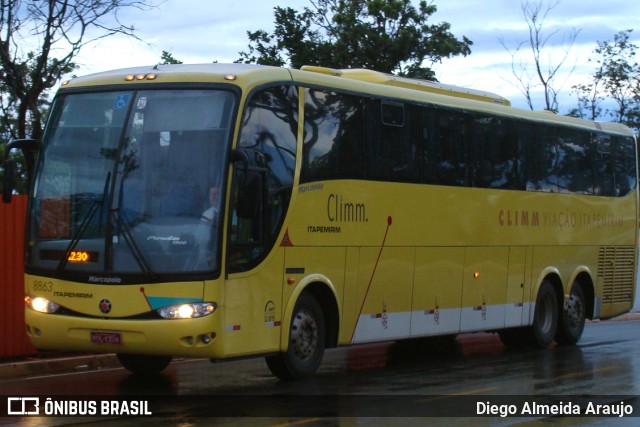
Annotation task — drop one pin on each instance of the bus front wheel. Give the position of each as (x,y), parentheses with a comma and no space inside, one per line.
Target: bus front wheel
(141,364)
(545,318)
(306,342)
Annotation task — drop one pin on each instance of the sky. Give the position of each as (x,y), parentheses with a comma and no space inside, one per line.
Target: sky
(198,31)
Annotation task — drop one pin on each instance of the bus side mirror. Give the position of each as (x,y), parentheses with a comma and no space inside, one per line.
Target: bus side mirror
(29,147)
(8,180)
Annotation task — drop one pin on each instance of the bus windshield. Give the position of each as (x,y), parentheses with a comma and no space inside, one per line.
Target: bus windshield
(130,182)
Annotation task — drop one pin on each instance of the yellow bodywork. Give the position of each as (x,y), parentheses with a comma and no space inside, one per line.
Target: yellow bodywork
(401,260)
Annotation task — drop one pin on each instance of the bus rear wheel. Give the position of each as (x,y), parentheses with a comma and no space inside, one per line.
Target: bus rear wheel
(141,364)
(573,317)
(306,342)
(545,318)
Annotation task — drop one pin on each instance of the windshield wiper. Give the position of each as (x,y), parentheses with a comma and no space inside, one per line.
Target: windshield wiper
(135,250)
(84,224)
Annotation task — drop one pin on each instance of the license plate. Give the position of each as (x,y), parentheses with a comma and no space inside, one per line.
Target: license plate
(106,337)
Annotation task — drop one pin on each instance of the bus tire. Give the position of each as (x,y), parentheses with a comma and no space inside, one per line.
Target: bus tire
(307,335)
(141,364)
(545,317)
(573,317)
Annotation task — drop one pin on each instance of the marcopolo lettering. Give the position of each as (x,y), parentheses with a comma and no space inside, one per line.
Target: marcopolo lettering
(98,279)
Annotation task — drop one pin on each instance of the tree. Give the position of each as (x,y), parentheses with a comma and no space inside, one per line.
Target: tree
(167,59)
(39,41)
(9,120)
(391,36)
(61,28)
(546,68)
(616,79)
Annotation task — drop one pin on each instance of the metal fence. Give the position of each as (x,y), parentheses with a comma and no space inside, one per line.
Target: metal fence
(13,338)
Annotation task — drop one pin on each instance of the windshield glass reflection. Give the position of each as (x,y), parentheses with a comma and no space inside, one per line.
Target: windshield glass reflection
(130,183)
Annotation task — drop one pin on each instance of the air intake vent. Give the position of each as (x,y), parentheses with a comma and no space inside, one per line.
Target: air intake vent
(616,266)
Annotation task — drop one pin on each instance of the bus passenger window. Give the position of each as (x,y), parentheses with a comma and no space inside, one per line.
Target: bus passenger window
(603,164)
(574,159)
(392,152)
(624,165)
(333,137)
(449,145)
(539,158)
(493,153)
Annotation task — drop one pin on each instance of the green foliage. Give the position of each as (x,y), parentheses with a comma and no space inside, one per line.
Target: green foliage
(21,181)
(616,81)
(167,59)
(391,36)
(10,123)
(57,31)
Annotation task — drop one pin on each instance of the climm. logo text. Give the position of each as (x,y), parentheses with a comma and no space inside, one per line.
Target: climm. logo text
(341,210)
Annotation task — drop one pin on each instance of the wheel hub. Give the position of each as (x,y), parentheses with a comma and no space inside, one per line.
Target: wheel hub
(575,312)
(304,335)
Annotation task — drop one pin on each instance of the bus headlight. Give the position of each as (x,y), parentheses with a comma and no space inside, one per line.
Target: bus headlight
(41,305)
(187,311)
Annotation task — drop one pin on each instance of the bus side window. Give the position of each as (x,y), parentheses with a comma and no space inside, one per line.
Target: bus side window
(450,145)
(539,156)
(333,136)
(424,129)
(603,162)
(624,165)
(492,153)
(269,131)
(392,153)
(575,156)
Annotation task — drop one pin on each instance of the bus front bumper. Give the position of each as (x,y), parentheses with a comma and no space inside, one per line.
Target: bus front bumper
(195,337)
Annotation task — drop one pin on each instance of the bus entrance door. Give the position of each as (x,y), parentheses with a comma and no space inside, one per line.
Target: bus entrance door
(519,258)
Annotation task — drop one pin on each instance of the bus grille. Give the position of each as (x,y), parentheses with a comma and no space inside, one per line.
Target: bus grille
(616,266)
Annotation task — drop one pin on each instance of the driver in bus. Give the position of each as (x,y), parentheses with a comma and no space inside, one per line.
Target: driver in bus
(211,214)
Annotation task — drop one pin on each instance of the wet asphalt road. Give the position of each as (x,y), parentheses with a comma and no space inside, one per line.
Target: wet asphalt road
(377,384)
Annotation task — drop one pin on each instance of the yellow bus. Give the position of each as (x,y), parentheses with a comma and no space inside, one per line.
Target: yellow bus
(221,211)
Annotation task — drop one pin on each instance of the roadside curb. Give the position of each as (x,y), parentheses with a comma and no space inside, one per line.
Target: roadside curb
(80,363)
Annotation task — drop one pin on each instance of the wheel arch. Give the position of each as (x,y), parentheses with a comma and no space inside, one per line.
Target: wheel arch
(323,290)
(552,275)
